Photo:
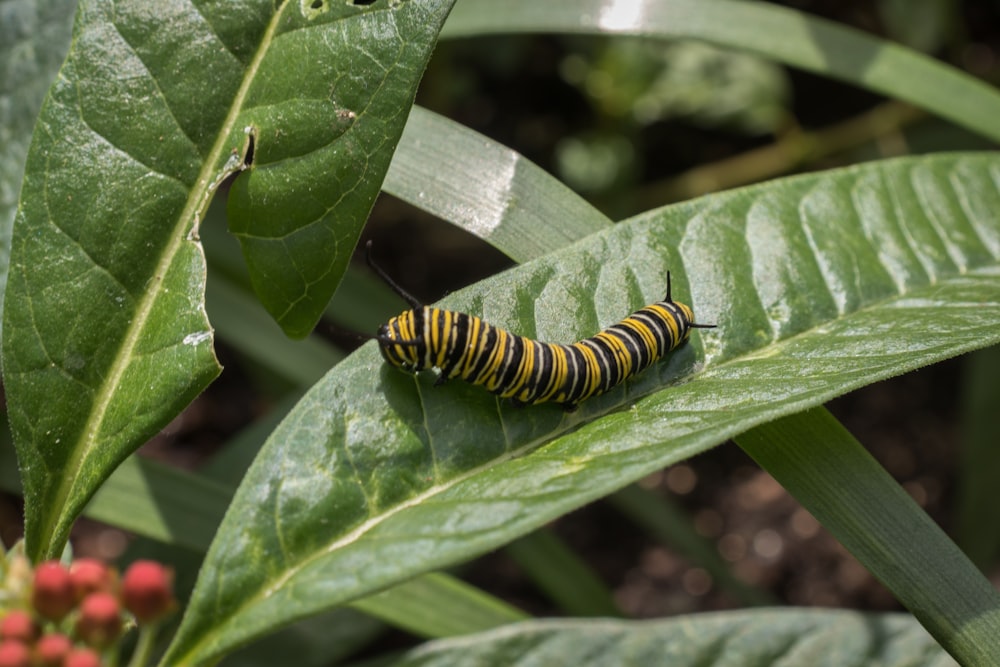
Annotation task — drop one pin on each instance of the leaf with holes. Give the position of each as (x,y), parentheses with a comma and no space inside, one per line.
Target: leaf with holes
(325,108)
(106,338)
(819,284)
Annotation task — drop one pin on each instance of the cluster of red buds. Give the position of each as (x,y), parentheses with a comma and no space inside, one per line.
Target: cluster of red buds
(74,616)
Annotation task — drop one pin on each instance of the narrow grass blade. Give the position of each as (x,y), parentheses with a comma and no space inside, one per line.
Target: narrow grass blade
(832,475)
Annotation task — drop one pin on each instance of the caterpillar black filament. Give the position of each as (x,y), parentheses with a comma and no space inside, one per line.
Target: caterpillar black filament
(527,371)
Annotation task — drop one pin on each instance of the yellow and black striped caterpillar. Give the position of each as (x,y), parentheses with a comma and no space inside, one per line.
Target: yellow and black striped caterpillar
(527,371)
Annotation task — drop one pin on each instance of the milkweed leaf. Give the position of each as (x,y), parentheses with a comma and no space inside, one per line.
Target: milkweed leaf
(790,637)
(106,337)
(832,281)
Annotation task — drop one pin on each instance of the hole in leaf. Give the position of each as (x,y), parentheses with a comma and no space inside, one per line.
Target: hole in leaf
(248,156)
(316,4)
(363,3)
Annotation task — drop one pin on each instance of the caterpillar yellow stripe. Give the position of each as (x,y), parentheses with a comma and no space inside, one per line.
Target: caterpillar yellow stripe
(527,371)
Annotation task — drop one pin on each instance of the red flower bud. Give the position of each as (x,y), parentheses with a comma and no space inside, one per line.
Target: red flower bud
(82,657)
(147,590)
(52,649)
(100,620)
(90,575)
(14,654)
(19,625)
(52,593)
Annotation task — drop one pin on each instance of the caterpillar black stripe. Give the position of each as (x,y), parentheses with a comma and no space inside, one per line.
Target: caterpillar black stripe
(527,371)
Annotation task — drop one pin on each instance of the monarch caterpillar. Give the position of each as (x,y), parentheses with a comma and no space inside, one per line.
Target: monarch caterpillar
(527,371)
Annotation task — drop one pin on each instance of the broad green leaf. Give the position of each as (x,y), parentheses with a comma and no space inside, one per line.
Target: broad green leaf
(839,482)
(331,87)
(830,281)
(184,509)
(789,637)
(807,42)
(107,338)
(159,502)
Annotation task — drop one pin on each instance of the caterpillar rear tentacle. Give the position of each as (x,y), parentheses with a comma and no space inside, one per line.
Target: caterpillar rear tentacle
(523,370)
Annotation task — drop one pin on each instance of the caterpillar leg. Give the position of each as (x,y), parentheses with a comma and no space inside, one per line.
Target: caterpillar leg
(386,340)
(567,407)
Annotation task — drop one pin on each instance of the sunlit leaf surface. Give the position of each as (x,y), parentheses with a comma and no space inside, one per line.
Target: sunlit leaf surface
(106,338)
(831,281)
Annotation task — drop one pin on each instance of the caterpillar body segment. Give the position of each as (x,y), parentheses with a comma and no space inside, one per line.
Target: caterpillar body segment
(527,371)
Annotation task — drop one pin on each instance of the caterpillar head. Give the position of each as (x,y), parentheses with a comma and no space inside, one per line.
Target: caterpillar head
(398,344)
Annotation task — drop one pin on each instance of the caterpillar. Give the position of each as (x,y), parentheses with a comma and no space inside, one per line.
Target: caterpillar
(523,370)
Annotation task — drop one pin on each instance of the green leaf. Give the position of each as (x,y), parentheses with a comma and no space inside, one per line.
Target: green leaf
(176,507)
(832,475)
(438,605)
(327,102)
(806,42)
(184,509)
(790,637)
(831,281)
(160,502)
(486,188)
(107,338)
(979,467)
(34,37)
(242,323)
